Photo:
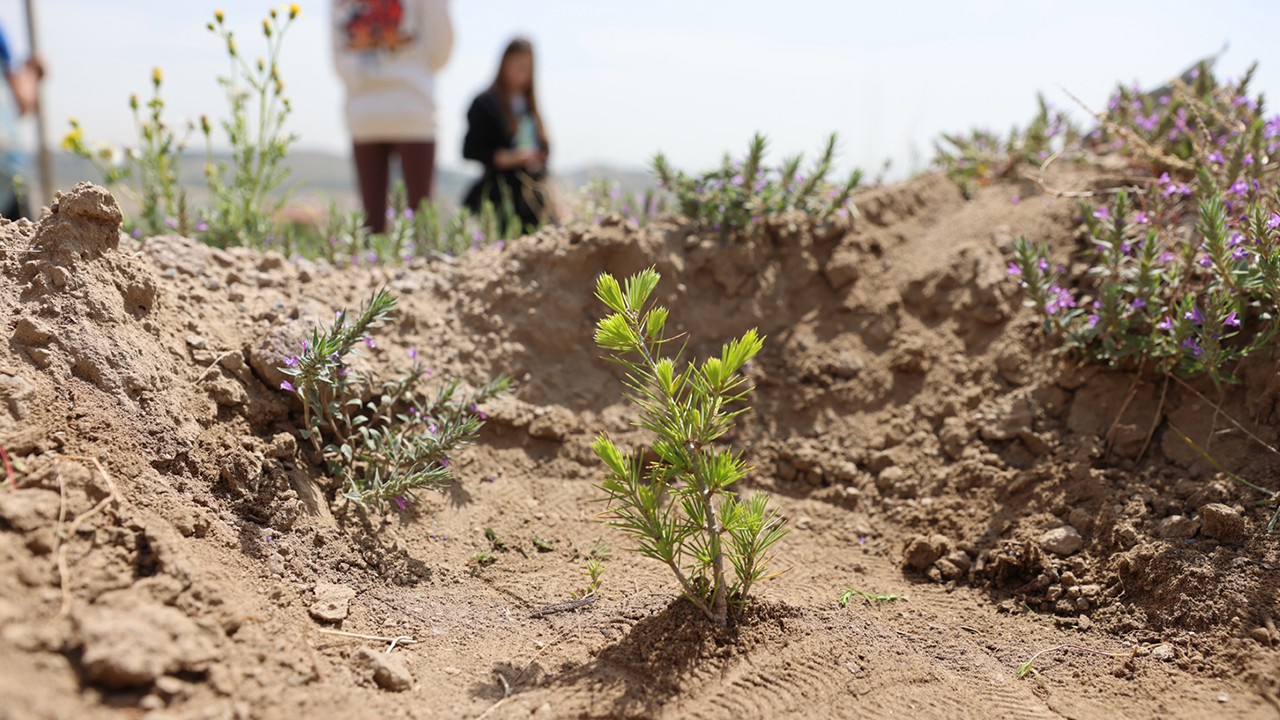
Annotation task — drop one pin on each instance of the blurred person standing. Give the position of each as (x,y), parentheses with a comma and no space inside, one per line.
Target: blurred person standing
(24,81)
(387,53)
(506,134)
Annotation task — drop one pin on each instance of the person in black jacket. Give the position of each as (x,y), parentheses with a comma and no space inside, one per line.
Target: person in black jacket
(505,134)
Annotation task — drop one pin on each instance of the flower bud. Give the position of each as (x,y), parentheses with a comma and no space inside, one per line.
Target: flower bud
(217,15)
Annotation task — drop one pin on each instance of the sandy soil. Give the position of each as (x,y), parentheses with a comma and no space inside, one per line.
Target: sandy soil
(907,419)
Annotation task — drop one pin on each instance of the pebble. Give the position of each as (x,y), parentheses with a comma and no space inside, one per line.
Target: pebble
(1062,541)
(390,671)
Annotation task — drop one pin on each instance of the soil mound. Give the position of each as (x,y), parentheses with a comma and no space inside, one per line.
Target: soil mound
(170,548)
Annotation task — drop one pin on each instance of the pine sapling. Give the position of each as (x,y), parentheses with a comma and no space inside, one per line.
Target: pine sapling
(675,496)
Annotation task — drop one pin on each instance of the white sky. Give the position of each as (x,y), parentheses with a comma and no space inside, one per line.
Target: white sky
(619,81)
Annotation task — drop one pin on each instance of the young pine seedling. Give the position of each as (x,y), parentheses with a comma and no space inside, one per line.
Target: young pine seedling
(384,441)
(675,497)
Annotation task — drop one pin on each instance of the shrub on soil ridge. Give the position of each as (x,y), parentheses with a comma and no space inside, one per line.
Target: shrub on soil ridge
(397,442)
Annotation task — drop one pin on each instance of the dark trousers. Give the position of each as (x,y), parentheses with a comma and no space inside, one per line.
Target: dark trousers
(373,168)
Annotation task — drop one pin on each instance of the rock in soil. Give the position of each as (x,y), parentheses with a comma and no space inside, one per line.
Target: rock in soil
(390,671)
(1222,523)
(1063,541)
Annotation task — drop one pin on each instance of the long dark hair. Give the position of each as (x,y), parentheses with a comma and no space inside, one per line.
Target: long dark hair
(518,46)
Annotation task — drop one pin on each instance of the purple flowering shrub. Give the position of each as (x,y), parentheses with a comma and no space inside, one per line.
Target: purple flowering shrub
(381,441)
(734,198)
(1184,272)
(975,159)
(411,232)
(1195,124)
(601,198)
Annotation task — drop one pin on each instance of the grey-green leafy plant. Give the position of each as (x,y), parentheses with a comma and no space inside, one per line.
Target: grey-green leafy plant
(382,441)
(977,158)
(736,197)
(243,209)
(675,497)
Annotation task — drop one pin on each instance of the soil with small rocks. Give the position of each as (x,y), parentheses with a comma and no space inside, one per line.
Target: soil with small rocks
(168,548)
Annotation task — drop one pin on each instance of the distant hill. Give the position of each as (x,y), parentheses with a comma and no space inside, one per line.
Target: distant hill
(317,177)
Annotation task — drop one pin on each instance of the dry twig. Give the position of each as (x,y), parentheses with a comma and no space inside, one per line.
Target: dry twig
(64,574)
(398,640)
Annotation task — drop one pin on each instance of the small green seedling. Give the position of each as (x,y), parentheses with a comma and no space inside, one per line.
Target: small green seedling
(675,497)
(543,546)
(849,593)
(594,570)
(482,559)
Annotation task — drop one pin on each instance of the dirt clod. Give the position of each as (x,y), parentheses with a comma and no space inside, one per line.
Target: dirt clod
(134,644)
(921,551)
(332,602)
(1222,523)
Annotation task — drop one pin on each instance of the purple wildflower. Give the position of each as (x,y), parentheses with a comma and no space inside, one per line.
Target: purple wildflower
(444,461)
(1013,269)
(304,346)
(1015,199)
(1043,264)
(1194,315)
(1206,261)
(368,340)
(287,386)
(171,223)
(291,361)
(1138,303)
(413,354)
(1102,213)
(1165,324)
(1231,320)
(433,428)
(1239,253)
(1165,257)
(400,502)
(1140,218)
(202,227)
(1239,187)
(1273,222)
(1059,299)
(1093,320)
(1193,346)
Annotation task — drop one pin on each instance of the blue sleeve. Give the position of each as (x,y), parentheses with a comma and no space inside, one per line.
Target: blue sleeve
(6,60)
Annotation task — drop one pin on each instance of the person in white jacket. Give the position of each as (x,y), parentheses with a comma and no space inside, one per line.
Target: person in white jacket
(387,53)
